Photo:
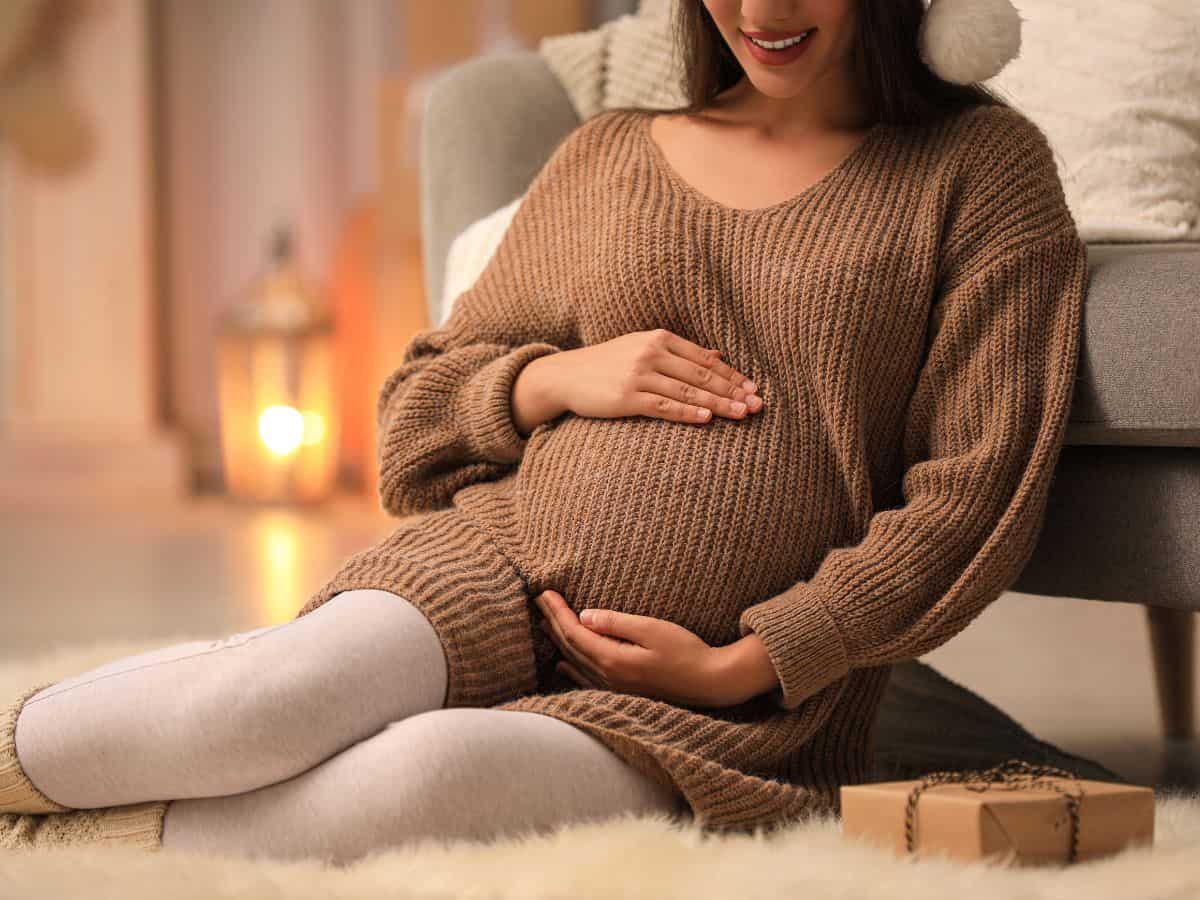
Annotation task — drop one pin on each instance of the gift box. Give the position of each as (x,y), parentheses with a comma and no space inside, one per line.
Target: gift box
(1016,813)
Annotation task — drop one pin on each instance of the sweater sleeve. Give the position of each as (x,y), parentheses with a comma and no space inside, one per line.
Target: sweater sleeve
(444,417)
(982,435)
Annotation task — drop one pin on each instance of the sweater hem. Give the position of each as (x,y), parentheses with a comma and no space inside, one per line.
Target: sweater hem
(473,596)
(828,743)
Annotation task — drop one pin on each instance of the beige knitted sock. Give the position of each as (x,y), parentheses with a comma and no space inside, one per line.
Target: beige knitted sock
(135,825)
(17,793)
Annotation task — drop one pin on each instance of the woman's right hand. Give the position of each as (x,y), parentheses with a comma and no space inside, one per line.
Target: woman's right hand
(652,373)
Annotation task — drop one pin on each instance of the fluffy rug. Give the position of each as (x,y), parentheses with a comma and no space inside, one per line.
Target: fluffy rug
(928,722)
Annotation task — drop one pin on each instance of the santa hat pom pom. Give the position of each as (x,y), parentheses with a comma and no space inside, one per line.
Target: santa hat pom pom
(965,41)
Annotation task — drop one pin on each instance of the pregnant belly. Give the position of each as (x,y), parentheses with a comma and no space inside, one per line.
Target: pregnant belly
(684,522)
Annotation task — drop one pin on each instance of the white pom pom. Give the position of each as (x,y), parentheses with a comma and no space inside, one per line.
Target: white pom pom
(966,41)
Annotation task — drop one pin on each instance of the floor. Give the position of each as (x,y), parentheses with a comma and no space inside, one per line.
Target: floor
(1075,673)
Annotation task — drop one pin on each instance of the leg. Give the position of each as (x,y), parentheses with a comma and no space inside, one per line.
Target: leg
(464,772)
(206,719)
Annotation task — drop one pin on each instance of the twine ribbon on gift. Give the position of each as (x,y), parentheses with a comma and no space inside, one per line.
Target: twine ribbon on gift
(1017,774)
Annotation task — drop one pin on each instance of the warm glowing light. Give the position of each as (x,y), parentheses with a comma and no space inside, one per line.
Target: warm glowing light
(278,387)
(281,429)
(314,427)
(279,564)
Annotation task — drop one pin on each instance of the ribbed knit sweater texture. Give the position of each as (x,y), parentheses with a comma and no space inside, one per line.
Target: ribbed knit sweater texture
(912,320)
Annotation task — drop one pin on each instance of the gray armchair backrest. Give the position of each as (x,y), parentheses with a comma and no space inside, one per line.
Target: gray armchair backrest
(488,127)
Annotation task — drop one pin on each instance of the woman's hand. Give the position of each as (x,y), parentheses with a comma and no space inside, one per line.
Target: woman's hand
(636,655)
(652,373)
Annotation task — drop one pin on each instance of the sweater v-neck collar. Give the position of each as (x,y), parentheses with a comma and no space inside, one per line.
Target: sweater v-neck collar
(687,190)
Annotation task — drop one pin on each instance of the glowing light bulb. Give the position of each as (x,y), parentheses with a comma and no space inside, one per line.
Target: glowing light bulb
(281,429)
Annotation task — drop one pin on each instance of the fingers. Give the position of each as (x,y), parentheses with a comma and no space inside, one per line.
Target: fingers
(582,663)
(705,377)
(709,359)
(575,640)
(688,399)
(623,626)
(688,383)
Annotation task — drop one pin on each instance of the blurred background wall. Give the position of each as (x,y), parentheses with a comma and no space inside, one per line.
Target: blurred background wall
(209,125)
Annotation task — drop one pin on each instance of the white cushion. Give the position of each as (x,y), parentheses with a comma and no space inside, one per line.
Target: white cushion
(470,251)
(1116,88)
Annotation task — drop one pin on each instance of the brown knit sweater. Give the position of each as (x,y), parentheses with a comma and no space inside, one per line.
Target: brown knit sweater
(912,320)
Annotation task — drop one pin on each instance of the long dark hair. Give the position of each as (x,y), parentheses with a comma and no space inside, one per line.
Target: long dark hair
(901,88)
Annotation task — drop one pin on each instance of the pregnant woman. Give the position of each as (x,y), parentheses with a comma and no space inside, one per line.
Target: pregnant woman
(755,399)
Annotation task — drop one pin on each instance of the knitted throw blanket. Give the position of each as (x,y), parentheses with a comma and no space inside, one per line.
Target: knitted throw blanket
(628,61)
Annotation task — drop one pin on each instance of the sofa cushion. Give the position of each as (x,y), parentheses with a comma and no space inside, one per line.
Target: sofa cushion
(1139,368)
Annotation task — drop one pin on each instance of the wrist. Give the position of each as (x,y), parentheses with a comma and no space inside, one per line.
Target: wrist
(743,670)
(536,397)
(552,383)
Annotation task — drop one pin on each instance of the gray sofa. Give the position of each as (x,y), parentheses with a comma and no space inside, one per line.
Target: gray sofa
(1124,518)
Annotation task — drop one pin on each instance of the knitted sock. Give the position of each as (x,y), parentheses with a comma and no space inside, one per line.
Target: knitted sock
(136,825)
(17,793)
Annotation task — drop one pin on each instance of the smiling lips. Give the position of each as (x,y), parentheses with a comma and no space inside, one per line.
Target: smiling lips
(786,49)
(775,35)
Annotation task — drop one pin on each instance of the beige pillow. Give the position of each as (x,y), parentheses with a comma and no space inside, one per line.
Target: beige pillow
(1114,84)
(1116,88)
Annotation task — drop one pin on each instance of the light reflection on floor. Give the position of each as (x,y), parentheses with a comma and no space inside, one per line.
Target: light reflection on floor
(277,535)
(205,567)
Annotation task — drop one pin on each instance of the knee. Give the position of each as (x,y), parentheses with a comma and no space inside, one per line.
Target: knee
(476,772)
(448,753)
(486,757)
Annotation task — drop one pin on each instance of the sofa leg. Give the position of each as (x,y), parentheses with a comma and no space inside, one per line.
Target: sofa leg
(1172,637)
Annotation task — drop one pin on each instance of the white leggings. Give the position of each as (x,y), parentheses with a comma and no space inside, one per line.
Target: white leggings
(323,736)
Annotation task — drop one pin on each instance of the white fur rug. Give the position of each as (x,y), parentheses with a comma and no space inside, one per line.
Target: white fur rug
(630,857)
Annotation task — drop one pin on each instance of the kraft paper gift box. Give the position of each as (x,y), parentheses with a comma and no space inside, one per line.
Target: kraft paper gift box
(1012,819)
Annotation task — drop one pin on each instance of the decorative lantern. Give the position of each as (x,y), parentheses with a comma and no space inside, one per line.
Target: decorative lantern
(279,427)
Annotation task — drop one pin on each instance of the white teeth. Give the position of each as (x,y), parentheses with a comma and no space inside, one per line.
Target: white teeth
(779,45)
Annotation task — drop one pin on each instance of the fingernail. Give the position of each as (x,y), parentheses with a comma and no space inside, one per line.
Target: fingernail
(750,386)
(739,407)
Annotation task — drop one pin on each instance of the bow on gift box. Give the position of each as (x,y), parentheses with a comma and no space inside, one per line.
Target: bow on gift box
(1017,774)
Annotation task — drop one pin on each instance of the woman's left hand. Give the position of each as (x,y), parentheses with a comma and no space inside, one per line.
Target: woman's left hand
(634,654)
